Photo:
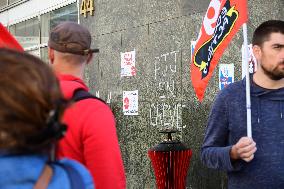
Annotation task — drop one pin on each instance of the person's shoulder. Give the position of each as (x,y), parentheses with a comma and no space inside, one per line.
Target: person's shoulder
(94,103)
(79,168)
(231,93)
(97,101)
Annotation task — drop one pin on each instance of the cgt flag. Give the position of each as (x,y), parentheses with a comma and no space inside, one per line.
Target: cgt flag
(8,41)
(221,22)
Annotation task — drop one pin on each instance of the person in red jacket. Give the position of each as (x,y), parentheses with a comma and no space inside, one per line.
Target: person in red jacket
(91,138)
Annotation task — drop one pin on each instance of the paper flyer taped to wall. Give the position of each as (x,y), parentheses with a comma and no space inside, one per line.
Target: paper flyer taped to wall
(128,68)
(130,102)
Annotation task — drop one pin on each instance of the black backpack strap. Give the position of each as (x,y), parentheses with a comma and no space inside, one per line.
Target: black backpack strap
(75,178)
(81,94)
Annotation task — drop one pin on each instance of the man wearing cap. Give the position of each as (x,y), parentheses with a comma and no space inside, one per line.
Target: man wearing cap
(91,137)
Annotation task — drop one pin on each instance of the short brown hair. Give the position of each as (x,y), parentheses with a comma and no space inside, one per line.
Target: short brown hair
(263,31)
(29,91)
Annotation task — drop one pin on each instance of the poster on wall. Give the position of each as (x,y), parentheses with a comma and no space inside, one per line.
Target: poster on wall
(130,102)
(226,75)
(251,59)
(128,64)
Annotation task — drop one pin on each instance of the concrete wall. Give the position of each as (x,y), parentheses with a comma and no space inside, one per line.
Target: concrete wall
(157,29)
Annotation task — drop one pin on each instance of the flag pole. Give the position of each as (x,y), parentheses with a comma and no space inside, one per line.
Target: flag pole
(248,102)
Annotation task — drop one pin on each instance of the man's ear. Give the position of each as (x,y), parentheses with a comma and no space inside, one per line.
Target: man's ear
(50,55)
(89,58)
(256,51)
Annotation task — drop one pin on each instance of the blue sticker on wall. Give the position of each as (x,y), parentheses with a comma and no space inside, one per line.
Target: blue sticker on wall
(226,75)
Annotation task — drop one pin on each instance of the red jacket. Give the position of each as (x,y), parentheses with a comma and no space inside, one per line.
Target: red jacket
(91,137)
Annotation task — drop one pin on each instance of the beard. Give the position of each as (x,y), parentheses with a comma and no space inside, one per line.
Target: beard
(274,74)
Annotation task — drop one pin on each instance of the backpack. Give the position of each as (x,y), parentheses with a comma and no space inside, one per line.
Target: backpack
(75,178)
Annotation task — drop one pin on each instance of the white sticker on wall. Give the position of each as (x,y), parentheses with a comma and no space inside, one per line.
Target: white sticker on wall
(226,75)
(192,45)
(252,61)
(130,102)
(128,64)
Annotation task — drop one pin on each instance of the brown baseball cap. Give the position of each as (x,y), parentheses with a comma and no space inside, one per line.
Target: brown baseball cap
(71,37)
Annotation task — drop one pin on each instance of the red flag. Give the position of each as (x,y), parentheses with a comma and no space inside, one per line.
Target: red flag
(7,40)
(221,22)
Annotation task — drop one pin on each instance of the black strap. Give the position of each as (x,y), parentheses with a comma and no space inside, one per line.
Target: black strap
(75,178)
(81,94)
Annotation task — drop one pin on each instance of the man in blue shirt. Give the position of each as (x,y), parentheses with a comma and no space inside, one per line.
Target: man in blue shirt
(256,162)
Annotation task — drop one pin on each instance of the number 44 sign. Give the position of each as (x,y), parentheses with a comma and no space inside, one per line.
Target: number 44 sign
(87,6)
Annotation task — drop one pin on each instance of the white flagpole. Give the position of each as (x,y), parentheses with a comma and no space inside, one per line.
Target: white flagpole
(248,102)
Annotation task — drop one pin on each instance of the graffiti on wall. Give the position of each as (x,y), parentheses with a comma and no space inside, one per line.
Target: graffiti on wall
(166,112)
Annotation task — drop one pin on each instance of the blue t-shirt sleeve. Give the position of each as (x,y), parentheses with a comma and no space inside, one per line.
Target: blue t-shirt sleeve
(86,176)
(215,151)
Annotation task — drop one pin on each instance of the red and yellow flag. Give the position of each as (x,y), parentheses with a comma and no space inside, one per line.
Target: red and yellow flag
(221,22)
(8,41)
